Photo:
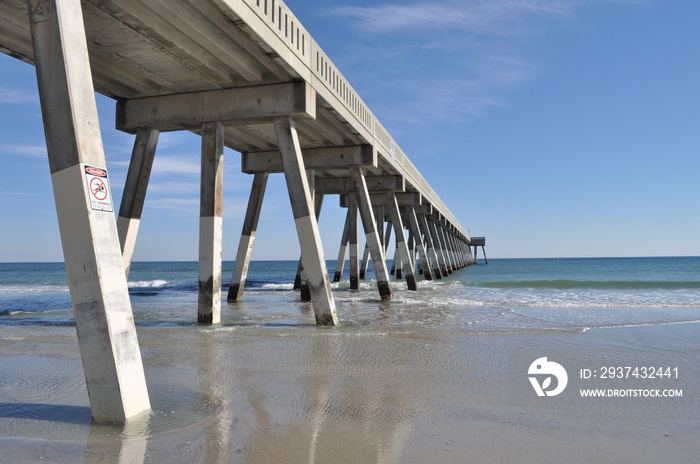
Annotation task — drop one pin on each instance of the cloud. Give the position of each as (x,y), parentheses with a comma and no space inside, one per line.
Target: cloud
(179,165)
(187,207)
(17,96)
(30,151)
(454,58)
(476,16)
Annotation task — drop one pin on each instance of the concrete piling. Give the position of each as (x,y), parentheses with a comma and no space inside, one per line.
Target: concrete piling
(96,279)
(376,248)
(134,194)
(402,247)
(245,245)
(307,228)
(210,223)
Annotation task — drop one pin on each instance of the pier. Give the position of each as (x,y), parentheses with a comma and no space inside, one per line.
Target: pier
(243,74)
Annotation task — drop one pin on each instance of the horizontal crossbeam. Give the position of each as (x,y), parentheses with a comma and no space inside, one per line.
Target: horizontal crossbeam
(314,158)
(188,111)
(378,198)
(403,199)
(343,185)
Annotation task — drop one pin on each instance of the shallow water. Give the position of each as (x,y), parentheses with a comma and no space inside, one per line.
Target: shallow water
(438,375)
(510,296)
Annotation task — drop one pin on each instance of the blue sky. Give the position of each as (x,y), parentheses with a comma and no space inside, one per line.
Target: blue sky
(555,128)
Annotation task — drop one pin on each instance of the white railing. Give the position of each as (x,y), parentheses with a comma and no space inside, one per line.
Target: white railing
(280,19)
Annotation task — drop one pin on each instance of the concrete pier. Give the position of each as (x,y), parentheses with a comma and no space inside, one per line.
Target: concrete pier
(134,194)
(242,74)
(376,247)
(210,223)
(104,321)
(405,257)
(305,220)
(245,245)
(352,242)
(343,250)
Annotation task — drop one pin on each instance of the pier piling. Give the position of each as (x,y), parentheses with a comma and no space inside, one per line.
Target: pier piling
(96,279)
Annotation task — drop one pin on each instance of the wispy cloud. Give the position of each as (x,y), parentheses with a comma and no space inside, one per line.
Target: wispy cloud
(455,58)
(31,151)
(180,165)
(18,96)
(476,16)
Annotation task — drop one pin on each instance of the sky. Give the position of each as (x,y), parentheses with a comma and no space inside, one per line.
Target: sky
(554,128)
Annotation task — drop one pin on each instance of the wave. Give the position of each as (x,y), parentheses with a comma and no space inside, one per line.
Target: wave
(589,284)
(33,288)
(148,283)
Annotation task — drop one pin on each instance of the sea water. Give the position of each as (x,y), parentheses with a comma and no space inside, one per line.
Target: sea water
(503,296)
(435,375)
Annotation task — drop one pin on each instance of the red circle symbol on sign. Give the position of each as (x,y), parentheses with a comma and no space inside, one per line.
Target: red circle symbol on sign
(98,189)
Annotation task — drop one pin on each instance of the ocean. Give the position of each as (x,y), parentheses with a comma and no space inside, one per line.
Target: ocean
(503,296)
(442,374)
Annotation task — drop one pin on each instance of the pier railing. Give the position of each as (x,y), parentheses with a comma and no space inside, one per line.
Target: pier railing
(307,58)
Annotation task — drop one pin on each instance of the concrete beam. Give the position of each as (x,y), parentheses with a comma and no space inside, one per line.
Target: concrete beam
(430,245)
(403,199)
(188,111)
(401,246)
(352,239)
(343,250)
(305,221)
(379,199)
(104,321)
(134,195)
(314,158)
(245,245)
(343,185)
(369,224)
(305,290)
(210,223)
(417,237)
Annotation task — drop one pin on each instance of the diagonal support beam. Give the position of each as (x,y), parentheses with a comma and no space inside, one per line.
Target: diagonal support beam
(401,245)
(417,237)
(245,245)
(134,195)
(104,321)
(343,250)
(305,221)
(370,227)
(432,253)
(305,291)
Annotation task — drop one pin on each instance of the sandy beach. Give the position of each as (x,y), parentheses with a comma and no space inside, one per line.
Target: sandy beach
(306,394)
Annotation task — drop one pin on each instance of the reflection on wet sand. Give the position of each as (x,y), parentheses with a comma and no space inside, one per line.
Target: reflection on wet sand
(378,394)
(341,413)
(118,444)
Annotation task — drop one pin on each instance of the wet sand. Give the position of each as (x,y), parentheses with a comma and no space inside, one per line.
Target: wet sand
(300,393)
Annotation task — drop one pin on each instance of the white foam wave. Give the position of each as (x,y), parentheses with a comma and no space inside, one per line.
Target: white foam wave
(33,288)
(288,286)
(148,283)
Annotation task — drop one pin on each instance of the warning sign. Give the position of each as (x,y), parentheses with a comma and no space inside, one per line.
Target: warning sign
(98,189)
